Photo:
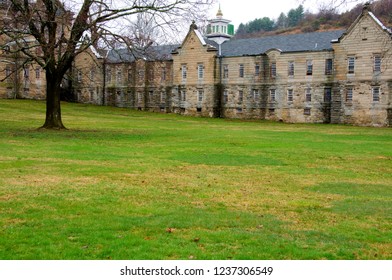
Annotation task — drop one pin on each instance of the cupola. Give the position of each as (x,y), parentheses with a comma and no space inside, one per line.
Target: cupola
(219,29)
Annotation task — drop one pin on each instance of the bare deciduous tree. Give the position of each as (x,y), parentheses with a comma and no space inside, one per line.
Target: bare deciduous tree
(51,34)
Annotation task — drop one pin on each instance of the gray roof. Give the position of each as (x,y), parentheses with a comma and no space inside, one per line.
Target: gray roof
(316,41)
(151,53)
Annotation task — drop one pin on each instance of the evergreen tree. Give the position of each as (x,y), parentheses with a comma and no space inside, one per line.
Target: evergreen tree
(282,21)
(295,16)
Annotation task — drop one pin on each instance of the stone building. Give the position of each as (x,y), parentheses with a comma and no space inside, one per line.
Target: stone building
(86,84)
(322,77)
(18,79)
(141,79)
(341,76)
(21,76)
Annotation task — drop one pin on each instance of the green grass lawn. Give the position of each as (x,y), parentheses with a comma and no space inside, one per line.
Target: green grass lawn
(122,184)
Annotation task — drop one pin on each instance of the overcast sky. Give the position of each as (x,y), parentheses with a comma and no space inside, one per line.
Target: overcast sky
(243,11)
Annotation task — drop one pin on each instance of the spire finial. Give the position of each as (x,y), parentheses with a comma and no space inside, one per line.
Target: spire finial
(219,14)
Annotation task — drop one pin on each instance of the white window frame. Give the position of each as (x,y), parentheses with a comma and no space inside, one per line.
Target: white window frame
(200,95)
(240,96)
(349,94)
(376,94)
(225,96)
(291,69)
(308,95)
(290,95)
(183,95)
(241,71)
(225,71)
(272,95)
(273,70)
(163,97)
(184,72)
(351,64)
(256,94)
(200,71)
(37,73)
(309,67)
(377,63)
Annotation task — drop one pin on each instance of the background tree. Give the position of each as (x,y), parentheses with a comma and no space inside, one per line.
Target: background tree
(295,16)
(51,34)
(254,26)
(281,22)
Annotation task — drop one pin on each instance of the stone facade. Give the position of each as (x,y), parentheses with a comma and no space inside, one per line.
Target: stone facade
(342,76)
(87,75)
(363,74)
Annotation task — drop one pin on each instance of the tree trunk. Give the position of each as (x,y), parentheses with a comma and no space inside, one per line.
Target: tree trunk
(53,109)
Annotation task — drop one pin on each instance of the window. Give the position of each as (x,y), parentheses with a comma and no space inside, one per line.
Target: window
(377,63)
(257,69)
(273,70)
(328,66)
(240,96)
(256,94)
(79,76)
(200,71)
(37,73)
(308,95)
(183,95)
(225,71)
(225,96)
(92,75)
(290,95)
(307,111)
(200,94)
(291,68)
(349,94)
(309,67)
(163,74)
(184,72)
(351,64)
(119,76)
(92,93)
(327,94)
(26,73)
(272,95)
(163,97)
(241,71)
(376,94)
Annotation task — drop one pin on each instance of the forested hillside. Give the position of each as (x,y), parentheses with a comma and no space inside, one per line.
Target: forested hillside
(299,21)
